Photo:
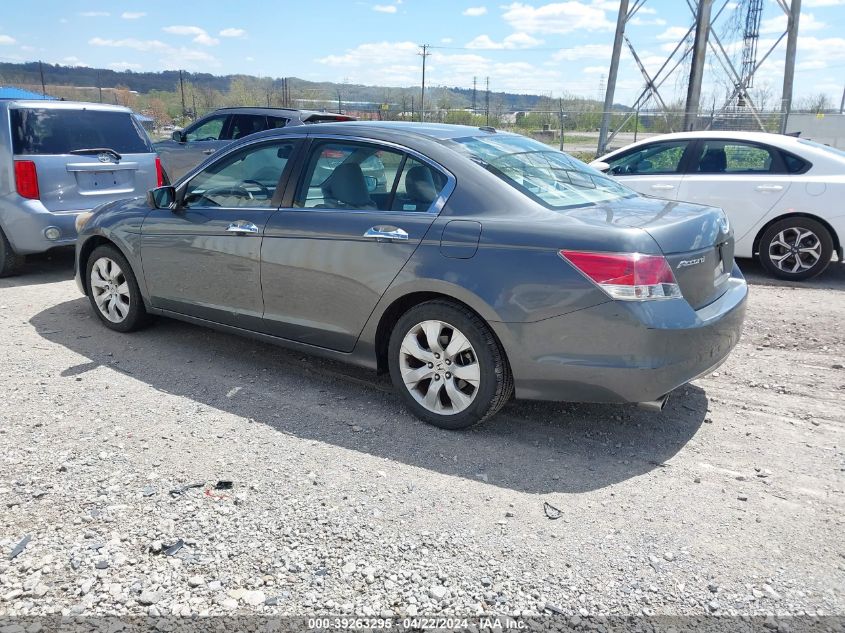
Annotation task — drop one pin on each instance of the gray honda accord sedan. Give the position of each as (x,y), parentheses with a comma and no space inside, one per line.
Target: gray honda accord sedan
(488,266)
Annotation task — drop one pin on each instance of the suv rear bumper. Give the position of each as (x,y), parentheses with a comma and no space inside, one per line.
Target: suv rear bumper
(623,351)
(25,221)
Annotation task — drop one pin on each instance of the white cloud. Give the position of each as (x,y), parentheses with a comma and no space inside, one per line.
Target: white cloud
(474,12)
(557,17)
(7,40)
(172,57)
(673,33)
(812,4)
(777,24)
(513,41)
(638,21)
(230,32)
(73,61)
(95,14)
(588,51)
(200,35)
(124,66)
(384,8)
(132,15)
(445,40)
(595,70)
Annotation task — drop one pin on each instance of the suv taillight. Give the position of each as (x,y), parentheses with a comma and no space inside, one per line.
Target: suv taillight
(159,173)
(627,276)
(26,179)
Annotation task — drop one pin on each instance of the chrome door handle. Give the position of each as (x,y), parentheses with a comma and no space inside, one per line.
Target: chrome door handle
(768,188)
(390,233)
(242,226)
(662,187)
(208,151)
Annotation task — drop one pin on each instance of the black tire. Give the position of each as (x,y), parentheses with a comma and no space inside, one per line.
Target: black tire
(136,316)
(770,248)
(495,386)
(10,262)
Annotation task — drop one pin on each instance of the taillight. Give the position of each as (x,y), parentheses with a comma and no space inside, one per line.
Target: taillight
(26,179)
(159,173)
(627,276)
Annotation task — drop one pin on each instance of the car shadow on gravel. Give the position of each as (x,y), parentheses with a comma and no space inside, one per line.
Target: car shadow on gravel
(833,278)
(536,447)
(44,268)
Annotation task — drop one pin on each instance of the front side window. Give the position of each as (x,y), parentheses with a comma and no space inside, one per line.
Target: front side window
(732,157)
(341,175)
(210,130)
(656,158)
(247,178)
(552,178)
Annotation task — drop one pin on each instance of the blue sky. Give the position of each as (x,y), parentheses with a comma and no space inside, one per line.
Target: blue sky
(531,46)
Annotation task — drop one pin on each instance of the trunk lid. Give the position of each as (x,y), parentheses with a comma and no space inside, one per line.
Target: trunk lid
(696,240)
(83,157)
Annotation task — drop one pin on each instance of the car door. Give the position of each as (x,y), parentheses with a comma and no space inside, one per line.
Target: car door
(202,258)
(359,212)
(199,141)
(746,179)
(653,169)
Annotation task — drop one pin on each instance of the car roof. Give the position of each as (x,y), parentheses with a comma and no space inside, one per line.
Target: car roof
(386,129)
(271,110)
(46,104)
(771,138)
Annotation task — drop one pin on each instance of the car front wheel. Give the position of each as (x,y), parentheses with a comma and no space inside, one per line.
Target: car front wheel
(448,365)
(113,290)
(796,248)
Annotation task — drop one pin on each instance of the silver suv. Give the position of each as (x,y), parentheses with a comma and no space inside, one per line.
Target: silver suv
(187,148)
(58,159)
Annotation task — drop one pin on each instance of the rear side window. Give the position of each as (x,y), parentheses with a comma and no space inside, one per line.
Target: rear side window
(793,164)
(61,131)
(733,157)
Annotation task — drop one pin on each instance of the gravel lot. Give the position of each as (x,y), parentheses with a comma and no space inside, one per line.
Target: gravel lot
(729,502)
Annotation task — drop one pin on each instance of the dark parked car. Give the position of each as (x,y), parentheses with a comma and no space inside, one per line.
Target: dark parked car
(58,159)
(491,265)
(189,147)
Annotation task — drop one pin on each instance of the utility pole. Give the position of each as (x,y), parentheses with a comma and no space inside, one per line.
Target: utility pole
(842,103)
(182,90)
(424,54)
(41,72)
(487,101)
(699,50)
(789,64)
(473,93)
(339,103)
(560,114)
(99,86)
(621,19)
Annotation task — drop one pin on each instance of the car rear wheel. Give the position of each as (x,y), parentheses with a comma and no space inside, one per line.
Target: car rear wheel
(796,248)
(10,261)
(448,366)
(113,290)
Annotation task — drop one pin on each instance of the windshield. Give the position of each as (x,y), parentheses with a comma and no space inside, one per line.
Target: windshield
(552,178)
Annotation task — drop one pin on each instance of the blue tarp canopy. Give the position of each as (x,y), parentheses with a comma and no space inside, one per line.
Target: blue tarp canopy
(8,92)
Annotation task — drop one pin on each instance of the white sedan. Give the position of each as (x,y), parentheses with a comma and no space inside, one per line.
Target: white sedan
(784,196)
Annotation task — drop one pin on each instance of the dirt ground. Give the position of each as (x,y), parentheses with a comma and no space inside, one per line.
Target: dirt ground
(731,501)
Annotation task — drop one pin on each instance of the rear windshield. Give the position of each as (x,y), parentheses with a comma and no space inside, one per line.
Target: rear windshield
(60,131)
(552,178)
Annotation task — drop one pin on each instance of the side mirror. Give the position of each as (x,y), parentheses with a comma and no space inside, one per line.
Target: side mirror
(178,136)
(162,197)
(372,183)
(600,165)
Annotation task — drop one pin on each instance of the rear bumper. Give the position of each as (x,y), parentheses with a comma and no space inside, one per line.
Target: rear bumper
(623,351)
(24,222)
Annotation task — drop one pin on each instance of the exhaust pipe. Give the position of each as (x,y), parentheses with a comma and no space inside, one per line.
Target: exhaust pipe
(655,406)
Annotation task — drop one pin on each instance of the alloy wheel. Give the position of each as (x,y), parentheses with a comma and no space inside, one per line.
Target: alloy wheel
(439,367)
(795,250)
(110,289)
